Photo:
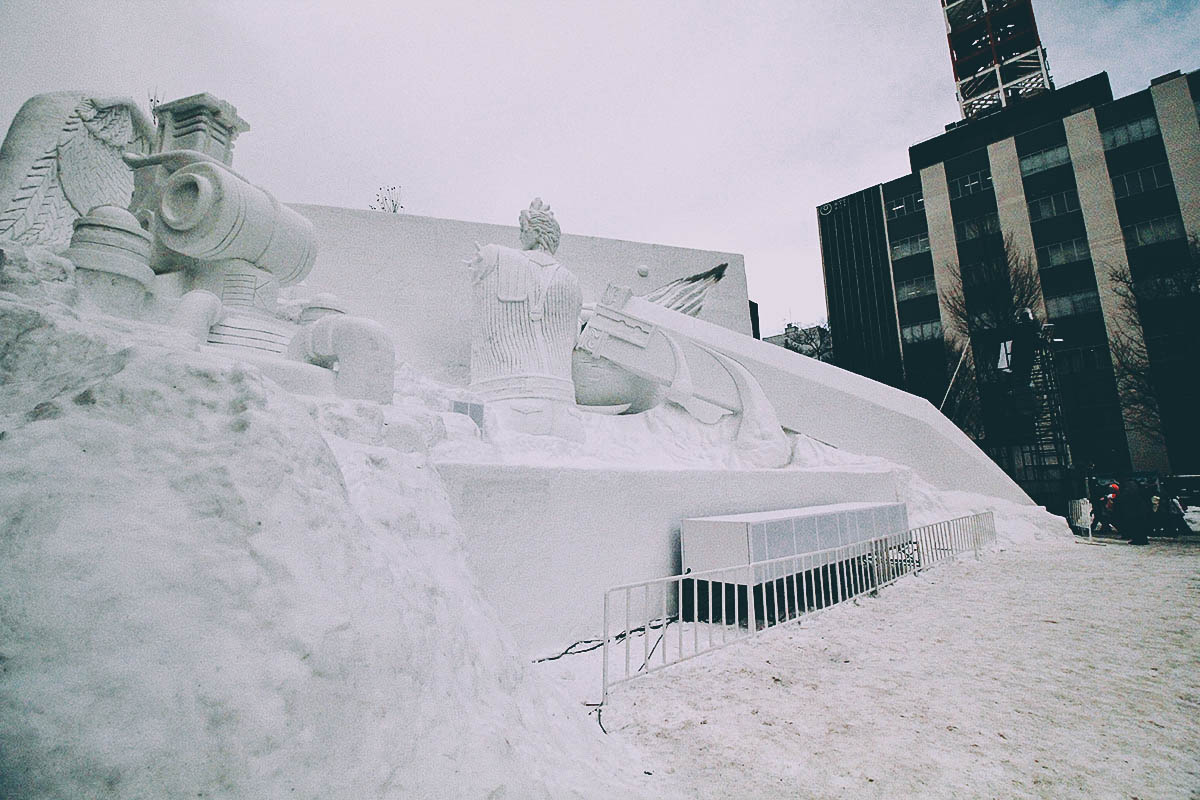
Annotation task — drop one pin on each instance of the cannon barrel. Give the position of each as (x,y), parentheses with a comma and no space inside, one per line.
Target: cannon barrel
(210,214)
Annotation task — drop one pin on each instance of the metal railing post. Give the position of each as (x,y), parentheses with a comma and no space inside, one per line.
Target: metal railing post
(604,655)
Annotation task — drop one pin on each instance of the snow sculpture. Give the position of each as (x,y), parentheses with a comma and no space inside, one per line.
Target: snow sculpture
(361,349)
(604,387)
(760,440)
(61,158)
(210,214)
(687,295)
(203,248)
(524,320)
(111,253)
(202,123)
(805,395)
(642,346)
(234,246)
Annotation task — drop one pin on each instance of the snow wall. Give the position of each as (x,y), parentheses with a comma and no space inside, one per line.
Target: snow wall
(406,272)
(546,542)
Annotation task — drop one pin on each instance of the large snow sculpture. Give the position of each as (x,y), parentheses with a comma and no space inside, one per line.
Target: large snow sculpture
(176,235)
(524,320)
(602,386)
(231,236)
(111,253)
(361,349)
(805,396)
(659,357)
(61,158)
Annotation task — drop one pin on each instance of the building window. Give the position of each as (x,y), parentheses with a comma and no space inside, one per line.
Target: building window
(1068,252)
(1129,132)
(916,287)
(921,332)
(977,273)
(1080,359)
(1136,181)
(979,226)
(911,246)
(1181,283)
(1054,205)
(1072,304)
(903,206)
(1045,159)
(1152,231)
(970,184)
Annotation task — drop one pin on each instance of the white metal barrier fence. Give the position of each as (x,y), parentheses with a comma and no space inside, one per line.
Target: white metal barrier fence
(1079,516)
(682,616)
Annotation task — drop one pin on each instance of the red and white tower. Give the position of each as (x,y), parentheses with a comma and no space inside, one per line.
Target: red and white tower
(996,52)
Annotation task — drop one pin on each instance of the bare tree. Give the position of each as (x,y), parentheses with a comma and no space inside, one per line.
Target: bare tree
(989,289)
(960,403)
(387,200)
(1139,386)
(155,100)
(995,281)
(814,341)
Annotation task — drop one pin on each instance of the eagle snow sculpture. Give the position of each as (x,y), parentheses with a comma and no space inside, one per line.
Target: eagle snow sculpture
(62,158)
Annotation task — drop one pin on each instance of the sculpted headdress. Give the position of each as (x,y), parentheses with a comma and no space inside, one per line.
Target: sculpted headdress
(540,219)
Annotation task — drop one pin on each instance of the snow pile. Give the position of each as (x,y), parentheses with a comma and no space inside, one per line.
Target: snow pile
(213,588)
(1015,523)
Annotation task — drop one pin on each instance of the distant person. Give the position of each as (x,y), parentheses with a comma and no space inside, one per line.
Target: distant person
(1168,517)
(1132,512)
(1102,509)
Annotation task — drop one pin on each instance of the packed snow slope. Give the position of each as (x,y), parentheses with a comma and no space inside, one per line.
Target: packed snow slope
(1050,670)
(210,587)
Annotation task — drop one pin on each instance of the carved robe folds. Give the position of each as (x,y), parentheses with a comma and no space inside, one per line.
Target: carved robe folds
(524,322)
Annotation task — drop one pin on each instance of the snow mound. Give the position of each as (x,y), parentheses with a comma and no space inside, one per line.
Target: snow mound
(213,588)
(1015,524)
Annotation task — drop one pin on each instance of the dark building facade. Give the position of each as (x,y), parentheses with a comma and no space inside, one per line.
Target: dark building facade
(1082,187)
(859,292)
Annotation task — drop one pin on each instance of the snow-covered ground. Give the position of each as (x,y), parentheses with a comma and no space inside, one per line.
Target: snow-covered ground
(1049,669)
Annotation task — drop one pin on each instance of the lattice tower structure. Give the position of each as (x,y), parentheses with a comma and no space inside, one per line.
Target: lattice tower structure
(1050,442)
(996,53)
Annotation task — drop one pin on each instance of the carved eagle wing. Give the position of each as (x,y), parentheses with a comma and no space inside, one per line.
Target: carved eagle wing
(70,146)
(687,295)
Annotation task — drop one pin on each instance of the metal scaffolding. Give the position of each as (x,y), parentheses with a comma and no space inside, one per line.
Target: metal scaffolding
(996,53)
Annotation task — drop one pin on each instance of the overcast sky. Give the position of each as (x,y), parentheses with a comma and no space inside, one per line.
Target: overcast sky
(716,125)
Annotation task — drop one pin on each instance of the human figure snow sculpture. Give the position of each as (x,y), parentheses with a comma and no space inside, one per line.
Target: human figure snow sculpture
(61,158)
(525,310)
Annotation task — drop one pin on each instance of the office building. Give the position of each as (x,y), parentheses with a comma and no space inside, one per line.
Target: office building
(1084,186)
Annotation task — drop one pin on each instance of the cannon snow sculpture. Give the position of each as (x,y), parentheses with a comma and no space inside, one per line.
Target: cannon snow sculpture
(167,230)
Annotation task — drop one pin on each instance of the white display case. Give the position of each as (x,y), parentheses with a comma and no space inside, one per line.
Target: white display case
(734,540)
